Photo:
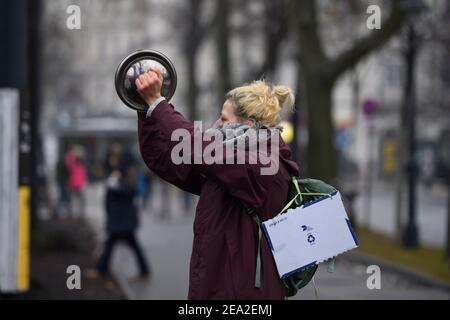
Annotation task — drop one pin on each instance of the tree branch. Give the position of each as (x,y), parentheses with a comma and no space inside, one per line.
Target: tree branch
(365,45)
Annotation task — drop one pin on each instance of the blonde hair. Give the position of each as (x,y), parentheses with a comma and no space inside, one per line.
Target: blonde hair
(261,102)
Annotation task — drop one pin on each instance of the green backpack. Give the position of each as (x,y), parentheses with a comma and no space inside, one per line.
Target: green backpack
(301,192)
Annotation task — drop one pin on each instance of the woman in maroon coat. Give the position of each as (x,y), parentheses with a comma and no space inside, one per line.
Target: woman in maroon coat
(225,248)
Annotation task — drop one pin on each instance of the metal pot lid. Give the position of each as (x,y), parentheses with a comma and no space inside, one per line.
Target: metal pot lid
(136,64)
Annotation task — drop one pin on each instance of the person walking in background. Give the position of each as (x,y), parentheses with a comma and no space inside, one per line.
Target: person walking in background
(121,220)
(77,180)
(113,158)
(62,177)
(77,183)
(143,188)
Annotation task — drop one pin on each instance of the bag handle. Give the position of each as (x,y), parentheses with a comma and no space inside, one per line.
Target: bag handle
(300,195)
(255,217)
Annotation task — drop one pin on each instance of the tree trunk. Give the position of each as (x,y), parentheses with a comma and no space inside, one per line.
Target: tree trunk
(321,154)
(275,30)
(223,51)
(192,43)
(318,73)
(192,86)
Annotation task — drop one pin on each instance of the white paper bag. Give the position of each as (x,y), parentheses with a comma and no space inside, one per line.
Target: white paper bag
(309,234)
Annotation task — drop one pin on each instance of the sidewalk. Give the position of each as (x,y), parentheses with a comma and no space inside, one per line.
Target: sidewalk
(168,246)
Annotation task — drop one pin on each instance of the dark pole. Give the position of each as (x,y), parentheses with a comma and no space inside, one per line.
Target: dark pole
(411,232)
(12,45)
(447,246)
(34,99)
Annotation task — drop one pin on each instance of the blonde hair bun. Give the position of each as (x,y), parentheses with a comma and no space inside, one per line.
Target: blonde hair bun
(285,96)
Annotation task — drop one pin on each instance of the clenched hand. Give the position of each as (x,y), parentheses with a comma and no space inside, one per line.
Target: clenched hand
(149,85)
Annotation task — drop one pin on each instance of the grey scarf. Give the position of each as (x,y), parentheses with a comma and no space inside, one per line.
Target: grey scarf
(243,136)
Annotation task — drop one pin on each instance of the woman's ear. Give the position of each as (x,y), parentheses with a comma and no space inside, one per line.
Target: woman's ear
(250,122)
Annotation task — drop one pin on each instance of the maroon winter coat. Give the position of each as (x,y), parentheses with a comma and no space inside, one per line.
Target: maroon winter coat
(225,244)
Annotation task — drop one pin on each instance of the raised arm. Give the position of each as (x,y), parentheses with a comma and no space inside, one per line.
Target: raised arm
(240,180)
(243,181)
(156,149)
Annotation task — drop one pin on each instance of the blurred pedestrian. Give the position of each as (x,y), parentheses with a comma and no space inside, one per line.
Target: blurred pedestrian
(62,178)
(143,183)
(122,219)
(77,184)
(113,158)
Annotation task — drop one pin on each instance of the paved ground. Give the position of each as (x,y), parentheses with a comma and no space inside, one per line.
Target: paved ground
(168,244)
(431,211)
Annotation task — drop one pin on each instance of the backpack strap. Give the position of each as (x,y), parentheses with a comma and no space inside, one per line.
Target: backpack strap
(298,198)
(255,217)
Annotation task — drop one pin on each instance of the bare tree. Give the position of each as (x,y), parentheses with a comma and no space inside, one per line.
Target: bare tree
(275,31)
(318,74)
(191,44)
(190,29)
(223,8)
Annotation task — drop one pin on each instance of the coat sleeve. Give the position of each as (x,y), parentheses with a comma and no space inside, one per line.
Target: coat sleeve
(156,147)
(242,181)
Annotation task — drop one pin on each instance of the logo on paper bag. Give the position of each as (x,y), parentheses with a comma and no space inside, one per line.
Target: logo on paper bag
(309,235)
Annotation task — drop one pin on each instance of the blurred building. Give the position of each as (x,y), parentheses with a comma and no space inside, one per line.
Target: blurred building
(79,68)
